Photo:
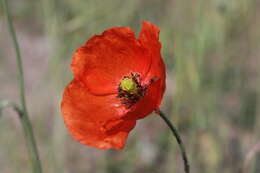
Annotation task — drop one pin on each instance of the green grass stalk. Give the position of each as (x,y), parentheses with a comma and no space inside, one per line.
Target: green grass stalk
(25,121)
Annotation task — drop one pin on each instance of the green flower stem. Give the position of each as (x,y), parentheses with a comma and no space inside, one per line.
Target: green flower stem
(178,138)
(23,114)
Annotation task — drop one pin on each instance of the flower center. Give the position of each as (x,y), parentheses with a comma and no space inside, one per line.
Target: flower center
(129,85)
(130,89)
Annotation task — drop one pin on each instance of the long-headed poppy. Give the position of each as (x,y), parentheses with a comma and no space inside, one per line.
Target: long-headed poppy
(118,79)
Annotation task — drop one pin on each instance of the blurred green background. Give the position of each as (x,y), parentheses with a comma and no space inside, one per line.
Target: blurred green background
(212,52)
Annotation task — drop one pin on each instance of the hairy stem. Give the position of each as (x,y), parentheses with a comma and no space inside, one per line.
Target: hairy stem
(23,114)
(178,138)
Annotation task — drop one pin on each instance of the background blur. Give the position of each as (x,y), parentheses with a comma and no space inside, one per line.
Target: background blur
(212,52)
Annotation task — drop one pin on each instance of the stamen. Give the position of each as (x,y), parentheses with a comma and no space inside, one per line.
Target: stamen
(130,89)
(129,85)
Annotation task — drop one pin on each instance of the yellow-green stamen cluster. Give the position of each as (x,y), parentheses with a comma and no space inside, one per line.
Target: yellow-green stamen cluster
(129,85)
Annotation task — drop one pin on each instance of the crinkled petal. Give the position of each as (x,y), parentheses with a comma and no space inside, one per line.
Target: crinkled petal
(157,71)
(94,134)
(105,59)
(95,120)
(149,37)
(79,104)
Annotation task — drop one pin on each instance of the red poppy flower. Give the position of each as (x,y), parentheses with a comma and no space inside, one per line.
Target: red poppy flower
(118,79)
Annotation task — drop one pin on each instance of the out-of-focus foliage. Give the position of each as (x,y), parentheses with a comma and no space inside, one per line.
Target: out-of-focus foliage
(212,52)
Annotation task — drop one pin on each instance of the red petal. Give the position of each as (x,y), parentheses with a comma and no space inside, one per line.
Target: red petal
(149,103)
(94,120)
(107,58)
(79,104)
(149,37)
(93,134)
